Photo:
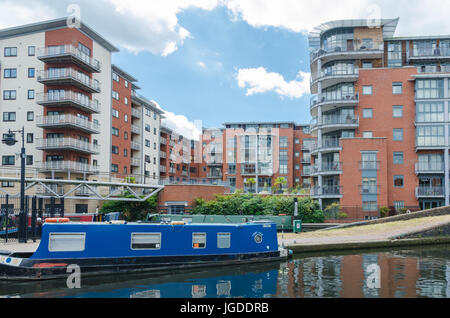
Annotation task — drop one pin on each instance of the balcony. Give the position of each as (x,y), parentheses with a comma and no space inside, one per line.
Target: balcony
(332,101)
(328,168)
(68,121)
(162,154)
(429,54)
(429,168)
(135,162)
(430,192)
(369,165)
(327,191)
(67,166)
(212,175)
(68,76)
(306,172)
(328,79)
(352,50)
(135,146)
(67,144)
(369,189)
(136,113)
(162,141)
(330,123)
(68,54)
(329,144)
(162,169)
(68,99)
(135,130)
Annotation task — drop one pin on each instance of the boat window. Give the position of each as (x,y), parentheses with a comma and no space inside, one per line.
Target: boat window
(198,240)
(145,241)
(66,242)
(223,240)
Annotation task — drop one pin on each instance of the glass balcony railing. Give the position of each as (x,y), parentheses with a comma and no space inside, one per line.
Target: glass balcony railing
(328,167)
(429,167)
(369,165)
(333,98)
(429,52)
(327,190)
(349,47)
(72,166)
(336,73)
(67,143)
(334,121)
(369,189)
(68,98)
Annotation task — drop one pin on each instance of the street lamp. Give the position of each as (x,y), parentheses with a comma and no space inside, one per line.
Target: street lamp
(10,140)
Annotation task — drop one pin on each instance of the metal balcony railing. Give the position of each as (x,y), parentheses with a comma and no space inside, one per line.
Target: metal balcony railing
(68,76)
(336,73)
(350,47)
(67,143)
(328,167)
(429,52)
(326,190)
(135,129)
(135,146)
(430,191)
(68,98)
(63,52)
(136,113)
(136,162)
(162,154)
(333,98)
(162,141)
(71,166)
(369,165)
(369,189)
(68,120)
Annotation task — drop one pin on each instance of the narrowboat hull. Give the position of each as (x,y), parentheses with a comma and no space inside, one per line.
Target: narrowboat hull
(39,269)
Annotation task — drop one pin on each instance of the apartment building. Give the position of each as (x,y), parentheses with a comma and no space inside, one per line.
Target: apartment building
(380,117)
(82,116)
(253,155)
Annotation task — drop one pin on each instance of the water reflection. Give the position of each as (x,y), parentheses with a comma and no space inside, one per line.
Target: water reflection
(421,272)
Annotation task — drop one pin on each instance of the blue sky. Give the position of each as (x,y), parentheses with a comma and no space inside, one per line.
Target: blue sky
(199,79)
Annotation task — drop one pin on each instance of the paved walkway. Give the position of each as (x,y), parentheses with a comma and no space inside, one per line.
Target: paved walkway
(14,246)
(364,233)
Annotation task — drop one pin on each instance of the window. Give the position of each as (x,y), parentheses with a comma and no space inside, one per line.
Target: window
(367,65)
(116,77)
(115,113)
(31,51)
(397,134)
(8,160)
(223,240)
(125,118)
(394,54)
(430,136)
(29,160)
(397,111)
(125,135)
(31,94)
(297,141)
(115,150)
(430,112)
(10,51)
(30,116)
(398,181)
(115,95)
(367,43)
(147,143)
(31,72)
(284,142)
(397,88)
(126,100)
(30,138)
(10,73)
(429,88)
(125,153)
(154,131)
(115,131)
(9,116)
(367,134)
(367,113)
(198,240)
(147,127)
(398,158)
(145,241)
(369,206)
(367,90)
(399,205)
(9,95)
(114,168)
(66,242)
(126,83)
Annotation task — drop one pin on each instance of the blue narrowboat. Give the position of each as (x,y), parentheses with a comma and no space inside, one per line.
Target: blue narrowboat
(117,246)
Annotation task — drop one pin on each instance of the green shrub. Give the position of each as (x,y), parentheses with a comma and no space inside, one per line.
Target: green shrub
(384,211)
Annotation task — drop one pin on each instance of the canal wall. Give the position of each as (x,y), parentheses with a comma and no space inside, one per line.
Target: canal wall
(445,210)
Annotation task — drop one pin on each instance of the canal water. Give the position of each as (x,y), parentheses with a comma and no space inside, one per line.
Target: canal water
(401,273)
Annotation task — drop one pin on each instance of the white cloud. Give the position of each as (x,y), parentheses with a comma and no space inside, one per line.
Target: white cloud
(201,64)
(258,80)
(180,124)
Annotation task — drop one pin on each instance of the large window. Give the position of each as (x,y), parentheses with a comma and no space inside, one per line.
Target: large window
(394,54)
(430,136)
(223,240)
(339,68)
(429,88)
(198,240)
(338,92)
(66,242)
(337,39)
(430,112)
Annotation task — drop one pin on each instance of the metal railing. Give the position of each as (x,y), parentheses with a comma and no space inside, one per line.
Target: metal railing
(335,73)
(67,119)
(324,98)
(65,50)
(429,191)
(328,167)
(353,47)
(67,166)
(68,96)
(136,113)
(135,129)
(136,162)
(69,73)
(429,52)
(61,143)
(369,165)
(369,189)
(326,190)
(162,141)
(135,146)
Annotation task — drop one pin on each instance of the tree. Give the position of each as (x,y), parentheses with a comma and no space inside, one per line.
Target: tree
(131,210)
(250,182)
(280,181)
